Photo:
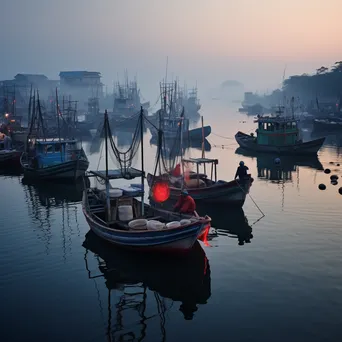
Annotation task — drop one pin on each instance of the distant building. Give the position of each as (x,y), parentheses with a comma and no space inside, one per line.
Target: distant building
(18,90)
(81,85)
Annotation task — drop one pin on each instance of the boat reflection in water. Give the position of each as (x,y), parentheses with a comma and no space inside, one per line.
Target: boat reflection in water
(225,220)
(270,170)
(228,222)
(51,194)
(142,282)
(48,203)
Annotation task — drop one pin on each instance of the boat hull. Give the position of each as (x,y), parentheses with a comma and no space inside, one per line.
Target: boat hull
(65,171)
(180,239)
(248,143)
(231,193)
(10,158)
(192,134)
(324,125)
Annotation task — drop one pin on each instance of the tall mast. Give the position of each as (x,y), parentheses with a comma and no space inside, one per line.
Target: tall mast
(142,159)
(59,130)
(106,142)
(29,109)
(106,158)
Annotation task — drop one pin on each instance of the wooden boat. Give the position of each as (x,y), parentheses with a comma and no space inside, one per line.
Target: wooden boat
(101,208)
(278,135)
(208,189)
(51,159)
(8,157)
(170,127)
(331,123)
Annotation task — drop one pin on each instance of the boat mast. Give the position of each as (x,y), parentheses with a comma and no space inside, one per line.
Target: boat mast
(59,130)
(181,146)
(106,158)
(142,159)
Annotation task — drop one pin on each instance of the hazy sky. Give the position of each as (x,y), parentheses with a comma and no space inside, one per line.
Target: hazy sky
(206,40)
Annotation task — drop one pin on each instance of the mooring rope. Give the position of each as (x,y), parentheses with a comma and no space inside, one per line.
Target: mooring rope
(262,213)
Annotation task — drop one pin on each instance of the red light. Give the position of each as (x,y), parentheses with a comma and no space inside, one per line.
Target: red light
(204,236)
(160,192)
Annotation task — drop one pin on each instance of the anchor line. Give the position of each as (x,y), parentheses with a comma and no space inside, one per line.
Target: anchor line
(221,136)
(261,212)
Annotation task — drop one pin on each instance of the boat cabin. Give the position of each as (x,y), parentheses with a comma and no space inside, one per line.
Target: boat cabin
(277,131)
(51,152)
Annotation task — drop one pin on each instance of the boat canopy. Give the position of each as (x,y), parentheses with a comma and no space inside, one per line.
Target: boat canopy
(55,141)
(200,161)
(204,161)
(131,173)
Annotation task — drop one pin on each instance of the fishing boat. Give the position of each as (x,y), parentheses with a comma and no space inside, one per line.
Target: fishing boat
(170,128)
(278,134)
(52,158)
(203,188)
(127,100)
(330,123)
(116,214)
(169,117)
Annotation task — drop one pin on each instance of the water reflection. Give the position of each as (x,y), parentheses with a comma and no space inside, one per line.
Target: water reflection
(228,222)
(42,201)
(144,285)
(281,172)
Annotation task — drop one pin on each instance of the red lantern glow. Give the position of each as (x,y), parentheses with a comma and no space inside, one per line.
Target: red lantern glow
(160,192)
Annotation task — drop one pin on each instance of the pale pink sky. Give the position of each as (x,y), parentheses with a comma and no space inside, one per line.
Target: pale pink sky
(208,41)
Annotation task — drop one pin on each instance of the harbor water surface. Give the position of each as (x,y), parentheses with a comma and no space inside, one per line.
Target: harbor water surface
(276,278)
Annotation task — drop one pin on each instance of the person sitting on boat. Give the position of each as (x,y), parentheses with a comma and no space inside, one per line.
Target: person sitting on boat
(185,204)
(176,172)
(241,171)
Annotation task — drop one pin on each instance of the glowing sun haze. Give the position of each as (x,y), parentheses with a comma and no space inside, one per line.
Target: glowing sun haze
(208,41)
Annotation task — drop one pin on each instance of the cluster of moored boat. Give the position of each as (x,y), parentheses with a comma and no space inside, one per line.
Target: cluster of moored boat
(115,213)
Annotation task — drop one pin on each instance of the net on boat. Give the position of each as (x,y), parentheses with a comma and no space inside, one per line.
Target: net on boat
(122,160)
(168,158)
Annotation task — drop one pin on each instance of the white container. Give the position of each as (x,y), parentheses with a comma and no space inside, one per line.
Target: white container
(185,222)
(138,224)
(125,212)
(155,225)
(173,224)
(115,193)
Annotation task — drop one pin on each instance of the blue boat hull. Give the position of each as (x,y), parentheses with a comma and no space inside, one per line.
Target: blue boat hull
(63,171)
(180,239)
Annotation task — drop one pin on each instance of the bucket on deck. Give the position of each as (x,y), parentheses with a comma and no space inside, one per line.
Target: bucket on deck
(125,212)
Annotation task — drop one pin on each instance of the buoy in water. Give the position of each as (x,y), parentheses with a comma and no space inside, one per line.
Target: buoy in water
(340,190)
(327,171)
(322,187)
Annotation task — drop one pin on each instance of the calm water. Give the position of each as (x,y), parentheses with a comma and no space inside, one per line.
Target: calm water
(58,283)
